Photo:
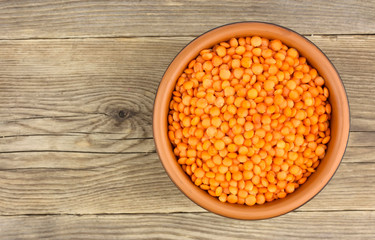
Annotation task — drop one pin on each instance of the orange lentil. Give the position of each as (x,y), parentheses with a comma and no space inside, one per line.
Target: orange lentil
(269,85)
(250,200)
(319,150)
(232,198)
(260,199)
(276,45)
(249,120)
(257,68)
(319,81)
(225,74)
(256,41)
(252,93)
(221,51)
(290,187)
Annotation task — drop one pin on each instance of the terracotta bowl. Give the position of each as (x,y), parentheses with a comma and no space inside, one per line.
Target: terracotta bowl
(339,122)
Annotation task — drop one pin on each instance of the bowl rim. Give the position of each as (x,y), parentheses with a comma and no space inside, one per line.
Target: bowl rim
(164,148)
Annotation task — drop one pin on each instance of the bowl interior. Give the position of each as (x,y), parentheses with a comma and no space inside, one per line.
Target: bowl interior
(339,123)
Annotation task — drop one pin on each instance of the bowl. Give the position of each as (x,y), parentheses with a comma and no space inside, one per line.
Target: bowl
(339,124)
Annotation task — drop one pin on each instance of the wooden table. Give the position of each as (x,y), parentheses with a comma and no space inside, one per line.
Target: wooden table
(77,85)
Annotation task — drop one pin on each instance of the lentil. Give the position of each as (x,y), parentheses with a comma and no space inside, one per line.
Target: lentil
(249,120)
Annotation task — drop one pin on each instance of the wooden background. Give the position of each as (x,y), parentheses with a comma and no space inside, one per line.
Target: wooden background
(77,84)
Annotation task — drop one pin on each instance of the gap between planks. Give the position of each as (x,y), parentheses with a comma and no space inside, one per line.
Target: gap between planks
(165,213)
(164,36)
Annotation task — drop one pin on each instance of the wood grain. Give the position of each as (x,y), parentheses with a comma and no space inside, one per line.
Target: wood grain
(108,85)
(111,143)
(81,19)
(85,143)
(77,85)
(82,183)
(77,135)
(308,225)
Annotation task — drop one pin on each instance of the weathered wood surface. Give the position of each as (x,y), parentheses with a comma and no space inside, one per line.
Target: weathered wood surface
(108,85)
(104,143)
(77,85)
(81,19)
(76,117)
(77,183)
(296,225)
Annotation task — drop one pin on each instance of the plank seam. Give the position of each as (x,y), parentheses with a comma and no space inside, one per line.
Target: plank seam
(167,36)
(65,151)
(161,213)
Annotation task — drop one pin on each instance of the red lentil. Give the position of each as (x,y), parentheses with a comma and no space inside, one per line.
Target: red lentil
(249,120)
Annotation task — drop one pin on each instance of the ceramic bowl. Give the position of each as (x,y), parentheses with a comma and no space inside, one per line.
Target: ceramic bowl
(339,122)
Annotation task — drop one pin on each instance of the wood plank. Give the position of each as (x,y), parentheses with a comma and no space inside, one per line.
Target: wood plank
(72,19)
(75,183)
(88,143)
(361,139)
(107,86)
(65,151)
(360,93)
(104,184)
(306,225)
(115,143)
(64,98)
